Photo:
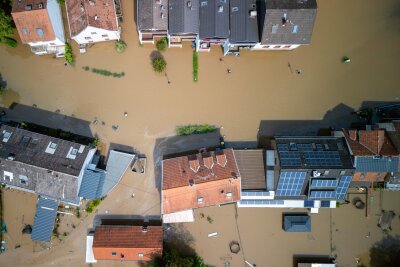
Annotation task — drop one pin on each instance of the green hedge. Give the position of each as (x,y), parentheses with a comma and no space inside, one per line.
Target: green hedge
(195,66)
(69,57)
(9,41)
(195,129)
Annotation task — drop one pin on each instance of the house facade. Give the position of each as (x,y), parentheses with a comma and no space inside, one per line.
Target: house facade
(40,25)
(287,24)
(214,24)
(200,180)
(124,243)
(152,20)
(375,156)
(183,22)
(92,21)
(243,26)
(304,172)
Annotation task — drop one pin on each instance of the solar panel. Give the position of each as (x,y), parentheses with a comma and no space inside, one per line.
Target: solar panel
(289,158)
(343,187)
(324,183)
(261,202)
(305,147)
(290,183)
(283,147)
(309,203)
(323,194)
(323,158)
(325,204)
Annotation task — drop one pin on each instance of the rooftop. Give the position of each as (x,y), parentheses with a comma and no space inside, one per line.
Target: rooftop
(152,15)
(214,19)
(296,223)
(127,242)
(243,21)
(96,13)
(199,168)
(370,142)
(313,152)
(183,16)
(289,21)
(44,219)
(251,167)
(32,21)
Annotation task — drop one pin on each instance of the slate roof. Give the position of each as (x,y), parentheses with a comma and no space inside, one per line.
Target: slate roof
(44,219)
(152,14)
(29,148)
(201,168)
(28,17)
(243,28)
(297,223)
(298,13)
(214,19)
(183,16)
(370,142)
(251,167)
(98,14)
(127,242)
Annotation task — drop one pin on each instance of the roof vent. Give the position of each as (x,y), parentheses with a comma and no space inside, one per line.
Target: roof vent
(220,9)
(253,14)
(191,182)
(189,4)
(284,19)
(235,9)
(96,17)
(91,2)
(194,165)
(40,5)
(221,160)
(234,175)
(162,15)
(229,194)
(208,162)
(145,229)
(11,156)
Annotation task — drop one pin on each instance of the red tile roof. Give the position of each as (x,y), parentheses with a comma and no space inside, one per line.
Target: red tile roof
(96,13)
(29,16)
(200,168)
(200,180)
(369,176)
(369,142)
(127,242)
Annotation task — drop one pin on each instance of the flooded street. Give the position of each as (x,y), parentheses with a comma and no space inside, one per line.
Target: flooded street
(261,86)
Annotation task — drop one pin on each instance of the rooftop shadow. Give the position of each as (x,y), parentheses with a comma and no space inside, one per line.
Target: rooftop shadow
(178,238)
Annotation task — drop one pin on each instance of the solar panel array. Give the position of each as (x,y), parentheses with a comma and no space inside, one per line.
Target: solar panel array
(290,183)
(261,202)
(323,194)
(343,187)
(324,183)
(290,158)
(323,158)
(255,194)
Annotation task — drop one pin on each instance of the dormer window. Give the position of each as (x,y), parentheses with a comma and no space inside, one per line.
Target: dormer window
(200,200)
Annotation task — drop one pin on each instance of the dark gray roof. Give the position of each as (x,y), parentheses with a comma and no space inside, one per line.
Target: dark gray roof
(30,148)
(297,223)
(284,17)
(243,27)
(251,167)
(371,164)
(44,219)
(214,19)
(183,16)
(152,14)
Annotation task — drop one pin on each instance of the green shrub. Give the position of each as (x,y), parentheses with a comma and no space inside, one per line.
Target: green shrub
(120,46)
(9,41)
(195,66)
(92,205)
(159,64)
(195,129)
(61,2)
(69,57)
(162,44)
(86,68)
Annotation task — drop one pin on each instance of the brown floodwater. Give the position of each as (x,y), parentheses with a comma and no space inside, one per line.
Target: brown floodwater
(260,87)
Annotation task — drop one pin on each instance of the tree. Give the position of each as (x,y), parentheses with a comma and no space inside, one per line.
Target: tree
(162,44)
(120,46)
(172,258)
(6,30)
(159,64)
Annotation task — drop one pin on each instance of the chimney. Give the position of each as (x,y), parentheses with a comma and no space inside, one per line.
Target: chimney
(191,182)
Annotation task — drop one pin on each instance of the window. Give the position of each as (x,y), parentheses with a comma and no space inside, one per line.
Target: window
(51,148)
(200,200)
(26,139)
(295,28)
(24,31)
(74,151)
(287,46)
(8,176)
(113,253)
(265,46)
(104,35)
(93,33)
(277,46)
(274,28)
(39,32)
(53,145)
(140,255)
(53,44)
(23,179)
(88,38)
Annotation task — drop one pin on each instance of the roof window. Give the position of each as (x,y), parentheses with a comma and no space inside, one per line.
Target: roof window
(72,153)
(8,176)
(28,7)
(26,139)
(295,28)
(39,31)
(204,3)
(51,148)
(200,200)
(274,28)
(6,136)
(113,253)
(24,31)
(140,255)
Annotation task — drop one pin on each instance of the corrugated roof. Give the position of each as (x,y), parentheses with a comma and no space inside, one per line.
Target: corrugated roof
(183,16)
(251,167)
(297,223)
(44,219)
(289,21)
(243,27)
(214,19)
(152,15)
(92,184)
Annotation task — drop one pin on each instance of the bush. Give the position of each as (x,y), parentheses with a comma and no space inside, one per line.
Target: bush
(69,57)
(92,205)
(9,41)
(195,66)
(195,129)
(61,2)
(108,73)
(162,44)
(86,68)
(120,46)
(159,64)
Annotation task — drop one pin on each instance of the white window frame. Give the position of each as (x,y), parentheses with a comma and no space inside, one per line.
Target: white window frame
(9,174)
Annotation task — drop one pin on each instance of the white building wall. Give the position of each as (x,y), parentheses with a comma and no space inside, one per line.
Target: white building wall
(94,35)
(275,47)
(54,11)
